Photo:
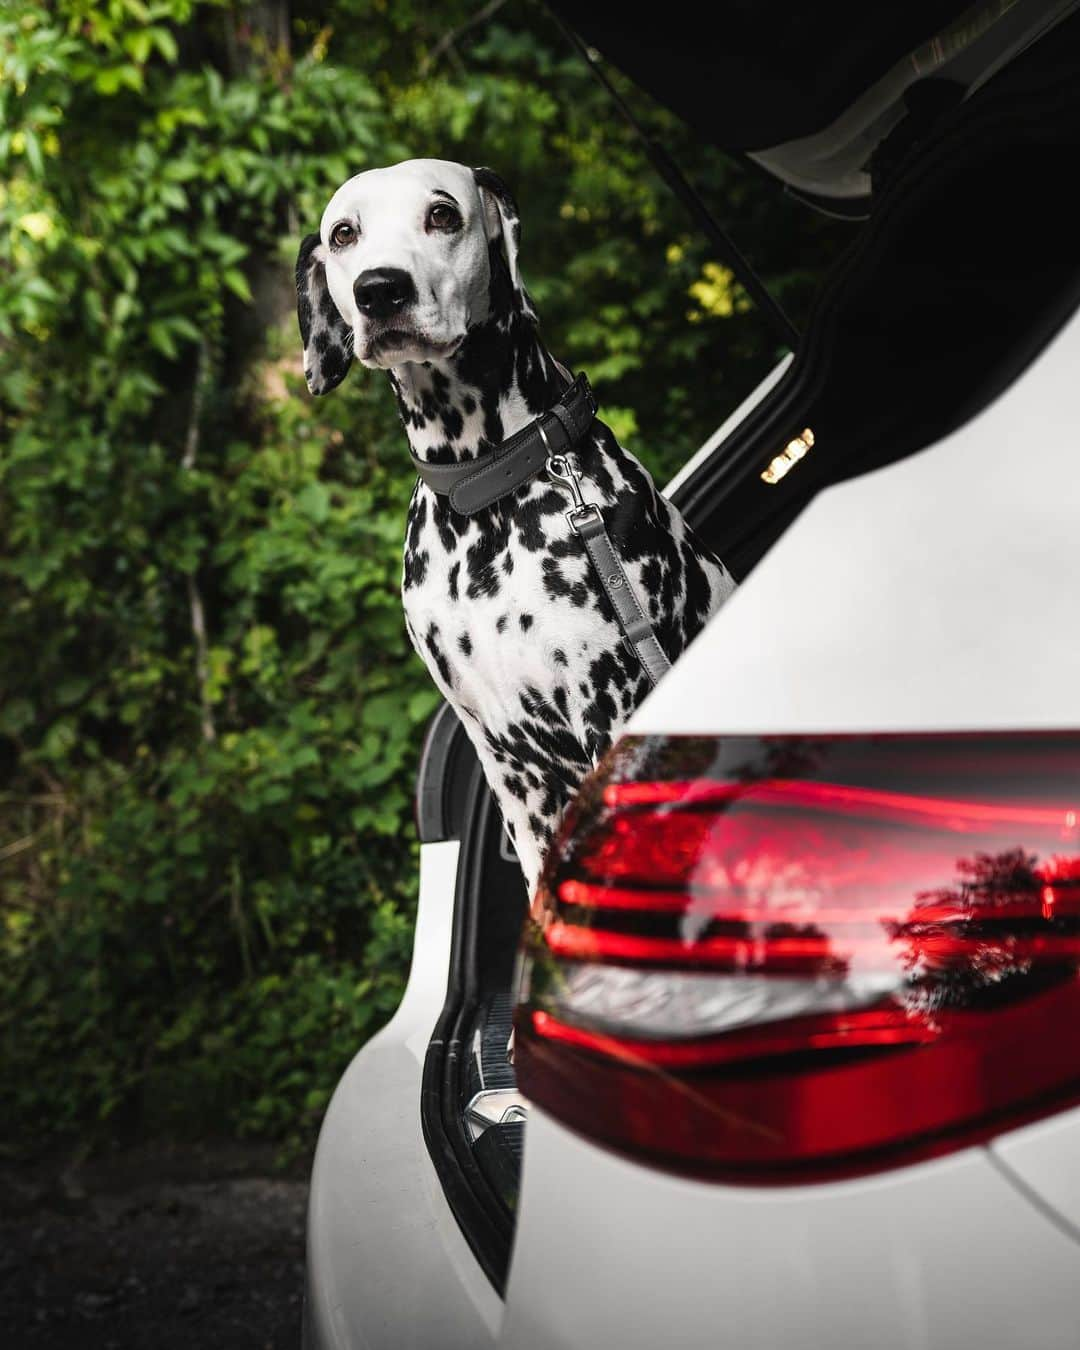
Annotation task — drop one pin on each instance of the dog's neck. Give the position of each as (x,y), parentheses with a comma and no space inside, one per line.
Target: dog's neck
(500,379)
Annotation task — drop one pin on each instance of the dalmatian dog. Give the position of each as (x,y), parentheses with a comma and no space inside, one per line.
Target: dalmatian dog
(414,271)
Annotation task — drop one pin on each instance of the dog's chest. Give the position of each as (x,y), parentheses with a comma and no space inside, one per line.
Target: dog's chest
(499,602)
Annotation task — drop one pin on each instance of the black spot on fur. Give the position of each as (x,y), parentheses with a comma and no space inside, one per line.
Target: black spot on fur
(526,622)
(453,423)
(449,524)
(484,580)
(531,535)
(480,557)
(697,586)
(335,365)
(416,565)
(431,642)
(557,586)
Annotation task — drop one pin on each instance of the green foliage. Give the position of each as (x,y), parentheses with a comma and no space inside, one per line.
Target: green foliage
(209,712)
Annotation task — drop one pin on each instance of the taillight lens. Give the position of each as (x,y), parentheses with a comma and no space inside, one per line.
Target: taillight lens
(784,958)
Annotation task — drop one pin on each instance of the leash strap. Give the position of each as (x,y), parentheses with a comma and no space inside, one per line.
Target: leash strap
(636,628)
(587,522)
(476,484)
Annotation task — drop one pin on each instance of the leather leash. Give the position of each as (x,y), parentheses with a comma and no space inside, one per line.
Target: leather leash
(543,445)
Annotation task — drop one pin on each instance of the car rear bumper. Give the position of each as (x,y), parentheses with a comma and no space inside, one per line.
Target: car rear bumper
(947,1254)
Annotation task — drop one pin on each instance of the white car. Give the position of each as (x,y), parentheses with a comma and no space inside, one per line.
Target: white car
(797,1044)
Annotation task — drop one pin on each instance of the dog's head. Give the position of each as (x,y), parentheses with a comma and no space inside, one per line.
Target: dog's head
(406,261)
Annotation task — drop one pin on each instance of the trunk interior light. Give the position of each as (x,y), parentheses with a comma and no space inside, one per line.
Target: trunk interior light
(789,456)
(780,959)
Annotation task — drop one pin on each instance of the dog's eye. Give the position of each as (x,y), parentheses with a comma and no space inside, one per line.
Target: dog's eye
(443,216)
(343,234)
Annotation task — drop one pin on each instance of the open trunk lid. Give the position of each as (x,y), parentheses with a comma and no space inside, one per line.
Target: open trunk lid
(818,97)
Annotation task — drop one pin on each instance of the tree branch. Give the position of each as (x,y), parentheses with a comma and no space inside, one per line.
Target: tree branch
(195,602)
(446,42)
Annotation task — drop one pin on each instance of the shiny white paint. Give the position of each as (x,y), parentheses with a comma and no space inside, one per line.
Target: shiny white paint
(1045,1158)
(387,1266)
(939,593)
(943,1256)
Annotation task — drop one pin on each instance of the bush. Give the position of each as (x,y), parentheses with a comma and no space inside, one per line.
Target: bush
(210,713)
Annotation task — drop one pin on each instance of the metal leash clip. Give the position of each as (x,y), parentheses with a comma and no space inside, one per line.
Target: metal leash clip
(560,470)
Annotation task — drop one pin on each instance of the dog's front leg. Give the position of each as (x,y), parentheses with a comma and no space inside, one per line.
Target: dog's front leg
(519,795)
(532,785)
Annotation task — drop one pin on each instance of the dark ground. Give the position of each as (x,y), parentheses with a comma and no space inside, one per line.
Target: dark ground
(159,1248)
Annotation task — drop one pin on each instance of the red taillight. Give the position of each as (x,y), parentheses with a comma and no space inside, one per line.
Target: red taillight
(782,958)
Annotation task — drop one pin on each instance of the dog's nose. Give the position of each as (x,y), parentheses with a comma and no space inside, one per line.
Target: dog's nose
(382,291)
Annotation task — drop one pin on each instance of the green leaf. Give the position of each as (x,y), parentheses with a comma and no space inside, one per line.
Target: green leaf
(235,281)
(71,689)
(161,338)
(138,43)
(313,501)
(16,714)
(166,44)
(32,150)
(422,704)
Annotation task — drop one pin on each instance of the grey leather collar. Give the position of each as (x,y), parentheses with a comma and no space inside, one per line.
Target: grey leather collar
(479,482)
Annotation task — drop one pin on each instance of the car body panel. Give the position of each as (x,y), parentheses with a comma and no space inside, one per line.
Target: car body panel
(387,1265)
(882,608)
(939,593)
(1044,1158)
(941,1256)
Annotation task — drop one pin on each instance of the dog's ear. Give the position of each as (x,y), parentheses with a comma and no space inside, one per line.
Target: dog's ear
(503,225)
(327,338)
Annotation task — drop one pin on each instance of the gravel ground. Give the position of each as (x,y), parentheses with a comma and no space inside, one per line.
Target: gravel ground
(159,1249)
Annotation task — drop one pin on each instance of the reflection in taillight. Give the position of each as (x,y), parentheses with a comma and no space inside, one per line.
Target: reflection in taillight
(783,958)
